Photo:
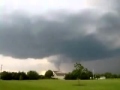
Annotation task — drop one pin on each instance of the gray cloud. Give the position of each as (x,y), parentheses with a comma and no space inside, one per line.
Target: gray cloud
(23,37)
(66,36)
(105,65)
(108,29)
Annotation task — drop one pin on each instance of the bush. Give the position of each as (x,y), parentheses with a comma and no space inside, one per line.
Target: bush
(6,75)
(32,75)
(49,74)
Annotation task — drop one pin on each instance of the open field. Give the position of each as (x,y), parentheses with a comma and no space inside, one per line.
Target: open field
(60,85)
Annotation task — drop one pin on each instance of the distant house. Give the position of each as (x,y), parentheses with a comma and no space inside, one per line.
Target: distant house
(58,75)
(102,77)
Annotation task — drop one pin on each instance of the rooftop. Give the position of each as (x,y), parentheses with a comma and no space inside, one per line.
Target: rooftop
(58,73)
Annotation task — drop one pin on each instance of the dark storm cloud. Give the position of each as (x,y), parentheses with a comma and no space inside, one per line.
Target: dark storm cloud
(23,37)
(105,65)
(115,5)
(108,27)
(109,23)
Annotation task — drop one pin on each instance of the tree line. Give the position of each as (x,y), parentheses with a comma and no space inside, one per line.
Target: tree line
(30,75)
(107,75)
(79,72)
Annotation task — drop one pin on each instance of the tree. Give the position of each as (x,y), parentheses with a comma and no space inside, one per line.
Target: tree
(119,76)
(22,76)
(15,75)
(41,77)
(49,74)
(108,75)
(90,74)
(115,76)
(85,75)
(79,73)
(32,75)
(68,76)
(80,69)
(97,76)
(6,75)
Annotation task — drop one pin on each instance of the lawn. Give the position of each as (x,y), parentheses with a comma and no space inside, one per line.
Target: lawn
(60,85)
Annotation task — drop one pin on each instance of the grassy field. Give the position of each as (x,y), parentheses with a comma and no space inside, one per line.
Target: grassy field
(60,85)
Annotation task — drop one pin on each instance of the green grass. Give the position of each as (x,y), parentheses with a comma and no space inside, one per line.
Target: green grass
(60,85)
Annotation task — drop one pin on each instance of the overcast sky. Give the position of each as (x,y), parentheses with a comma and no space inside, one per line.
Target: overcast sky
(52,34)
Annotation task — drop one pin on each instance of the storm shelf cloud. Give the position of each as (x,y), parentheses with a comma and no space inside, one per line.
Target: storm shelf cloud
(84,36)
